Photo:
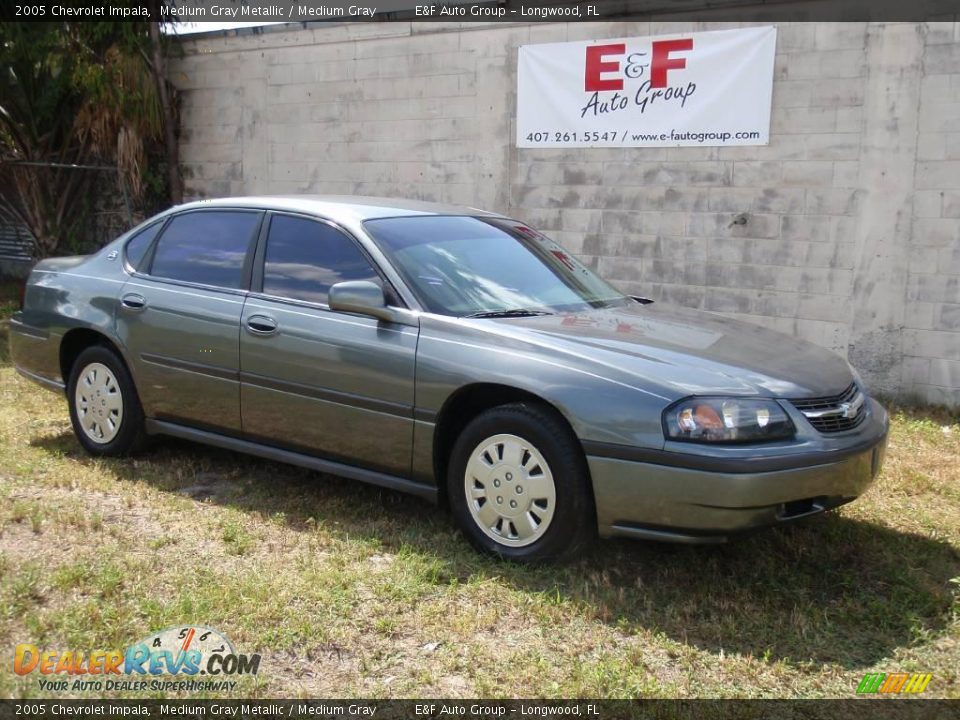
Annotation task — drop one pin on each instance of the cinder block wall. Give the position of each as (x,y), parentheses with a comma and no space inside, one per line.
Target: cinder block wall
(852,232)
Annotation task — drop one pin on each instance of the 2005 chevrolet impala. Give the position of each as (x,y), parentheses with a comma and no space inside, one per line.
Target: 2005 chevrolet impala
(452,353)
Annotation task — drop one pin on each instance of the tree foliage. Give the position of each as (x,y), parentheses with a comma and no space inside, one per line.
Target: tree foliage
(73,93)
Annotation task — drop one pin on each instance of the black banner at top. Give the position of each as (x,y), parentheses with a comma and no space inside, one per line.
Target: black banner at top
(325,11)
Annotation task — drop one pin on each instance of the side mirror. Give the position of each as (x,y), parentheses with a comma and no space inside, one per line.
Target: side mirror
(362,297)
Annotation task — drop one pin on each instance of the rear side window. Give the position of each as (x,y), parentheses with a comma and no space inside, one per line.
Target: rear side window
(137,246)
(304,258)
(207,247)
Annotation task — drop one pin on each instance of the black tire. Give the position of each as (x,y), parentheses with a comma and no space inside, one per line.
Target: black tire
(130,435)
(572,525)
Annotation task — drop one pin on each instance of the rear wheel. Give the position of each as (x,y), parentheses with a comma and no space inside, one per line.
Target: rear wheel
(518,485)
(104,408)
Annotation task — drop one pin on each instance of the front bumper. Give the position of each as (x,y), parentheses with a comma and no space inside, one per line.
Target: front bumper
(692,503)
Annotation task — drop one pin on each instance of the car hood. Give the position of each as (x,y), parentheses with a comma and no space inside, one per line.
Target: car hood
(685,351)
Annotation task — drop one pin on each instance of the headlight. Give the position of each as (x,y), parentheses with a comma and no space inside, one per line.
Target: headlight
(724,420)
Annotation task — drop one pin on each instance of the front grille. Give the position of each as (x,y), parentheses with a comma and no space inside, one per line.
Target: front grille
(835,413)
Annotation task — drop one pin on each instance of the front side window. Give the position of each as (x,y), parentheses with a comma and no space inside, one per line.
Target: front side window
(206,247)
(460,265)
(304,258)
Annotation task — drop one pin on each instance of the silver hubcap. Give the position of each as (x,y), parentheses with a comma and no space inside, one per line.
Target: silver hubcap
(99,403)
(510,490)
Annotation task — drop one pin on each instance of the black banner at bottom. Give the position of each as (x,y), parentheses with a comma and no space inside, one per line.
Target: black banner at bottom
(853,709)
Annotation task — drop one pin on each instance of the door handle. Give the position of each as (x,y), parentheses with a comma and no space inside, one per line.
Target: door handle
(134,302)
(261,325)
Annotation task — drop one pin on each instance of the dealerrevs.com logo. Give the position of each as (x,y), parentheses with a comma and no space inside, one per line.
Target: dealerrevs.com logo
(184,658)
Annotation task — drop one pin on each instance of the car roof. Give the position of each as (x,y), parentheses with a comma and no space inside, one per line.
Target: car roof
(340,207)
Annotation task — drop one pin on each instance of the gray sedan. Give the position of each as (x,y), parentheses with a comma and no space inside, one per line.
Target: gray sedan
(452,353)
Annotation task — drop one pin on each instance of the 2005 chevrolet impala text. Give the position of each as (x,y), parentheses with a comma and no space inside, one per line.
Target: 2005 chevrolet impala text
(452,353)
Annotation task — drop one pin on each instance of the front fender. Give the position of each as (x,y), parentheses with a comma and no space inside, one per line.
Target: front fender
(451,355)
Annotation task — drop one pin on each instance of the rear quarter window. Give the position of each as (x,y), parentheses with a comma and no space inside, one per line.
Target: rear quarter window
(138,245)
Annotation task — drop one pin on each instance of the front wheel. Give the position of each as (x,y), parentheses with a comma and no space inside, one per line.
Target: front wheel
(104,408)
(518,485)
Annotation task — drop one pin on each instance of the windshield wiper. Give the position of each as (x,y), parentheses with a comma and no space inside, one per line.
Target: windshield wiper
(517,312)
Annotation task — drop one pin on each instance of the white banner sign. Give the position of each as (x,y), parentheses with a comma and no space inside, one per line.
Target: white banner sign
(708,88)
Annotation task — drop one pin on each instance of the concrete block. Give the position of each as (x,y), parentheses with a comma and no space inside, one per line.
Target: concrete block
(832,146)
(693,154)
(937,88)
(941,59)
(935,232)
(796,36)
(793,93)
(832,201)
(807,172)
(582,173)
(950,320)
(757,174)
(729,250)
(951,204)
(757,225)
(840,35)
(678,272)
(931,146)
(803,120)
(759,277)
(937,395)
(581,220)
(682,199)
(729,300)
(634,246)
(915,370)
(797,66)
(924,260)
(851,63)
(846,174)
(822,307)
(809,228)
(934,288)
(850,119)
(842,92)
(670,174)
(620,268)
(939,32)
(952,144)
(731,200)
(842,229)
(826,281)
(692,297)
(940,117)
(920,315)
(932,343)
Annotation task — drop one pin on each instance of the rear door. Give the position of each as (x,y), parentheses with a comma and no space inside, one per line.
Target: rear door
(332,384)
(179,317)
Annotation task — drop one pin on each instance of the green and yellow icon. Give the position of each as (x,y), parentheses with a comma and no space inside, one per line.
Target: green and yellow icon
(894,683)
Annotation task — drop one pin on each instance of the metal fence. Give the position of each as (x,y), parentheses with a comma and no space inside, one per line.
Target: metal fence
(109,215)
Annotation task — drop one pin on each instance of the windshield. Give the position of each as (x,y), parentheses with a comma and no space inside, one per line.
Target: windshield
(458,265)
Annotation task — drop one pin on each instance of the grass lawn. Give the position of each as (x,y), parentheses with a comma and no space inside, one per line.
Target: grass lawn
(348,590)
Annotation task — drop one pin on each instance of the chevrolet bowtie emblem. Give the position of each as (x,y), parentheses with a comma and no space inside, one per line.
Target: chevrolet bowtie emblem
(850,409)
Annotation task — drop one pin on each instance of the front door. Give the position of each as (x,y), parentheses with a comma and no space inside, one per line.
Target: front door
(179,318)
(336,385)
